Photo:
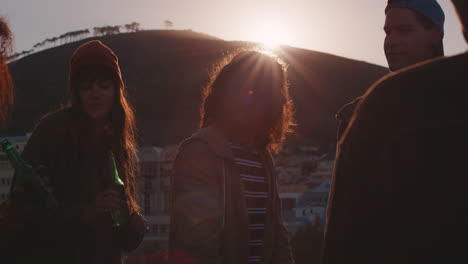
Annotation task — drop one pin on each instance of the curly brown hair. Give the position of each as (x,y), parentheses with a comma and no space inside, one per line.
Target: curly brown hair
(269,74)
(6,83)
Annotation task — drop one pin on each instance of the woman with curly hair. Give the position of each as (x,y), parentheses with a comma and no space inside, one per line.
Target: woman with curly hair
(225,205)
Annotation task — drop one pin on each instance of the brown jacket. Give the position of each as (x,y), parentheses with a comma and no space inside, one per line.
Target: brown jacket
(62,236)
(209,223)
(399,185)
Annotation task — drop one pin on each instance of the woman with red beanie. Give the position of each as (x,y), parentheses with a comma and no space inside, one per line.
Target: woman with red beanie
(71,147)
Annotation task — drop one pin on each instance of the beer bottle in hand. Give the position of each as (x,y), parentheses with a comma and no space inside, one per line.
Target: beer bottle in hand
(119,216)
(27,176)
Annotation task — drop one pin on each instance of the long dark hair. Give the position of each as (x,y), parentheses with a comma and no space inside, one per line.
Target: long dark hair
(266,70)
(6,83)
(121,130)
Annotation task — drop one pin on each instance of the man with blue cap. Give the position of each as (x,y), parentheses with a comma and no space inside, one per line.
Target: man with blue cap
(399,187)
(414,32)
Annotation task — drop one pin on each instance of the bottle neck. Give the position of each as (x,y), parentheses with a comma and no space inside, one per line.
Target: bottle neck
(113,170)
(13,155)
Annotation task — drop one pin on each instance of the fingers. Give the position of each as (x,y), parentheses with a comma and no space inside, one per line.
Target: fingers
(109,204)
(108,200)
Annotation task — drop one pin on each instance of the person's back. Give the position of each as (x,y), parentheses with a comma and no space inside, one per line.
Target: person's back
(400,195)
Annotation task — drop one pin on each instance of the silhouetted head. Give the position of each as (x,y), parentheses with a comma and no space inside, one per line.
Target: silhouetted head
(414,32)
(6,83)
(95,81)
(462,10)
(249,92)
(98,94)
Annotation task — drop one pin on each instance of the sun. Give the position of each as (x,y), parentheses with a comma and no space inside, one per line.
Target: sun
(270,34)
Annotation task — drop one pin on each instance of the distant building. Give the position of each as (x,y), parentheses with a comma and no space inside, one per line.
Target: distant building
(322,172)
(304,178)
(154,187)
(312,204)
(288,175)
(290,195)
(6,170)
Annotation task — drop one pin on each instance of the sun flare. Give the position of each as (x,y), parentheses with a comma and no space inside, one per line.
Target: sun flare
(270,34)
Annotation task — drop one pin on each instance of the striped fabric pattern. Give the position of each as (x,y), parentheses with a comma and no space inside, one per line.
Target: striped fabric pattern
(252,176)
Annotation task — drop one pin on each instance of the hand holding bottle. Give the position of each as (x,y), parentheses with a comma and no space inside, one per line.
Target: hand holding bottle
(108,200)
(105,202)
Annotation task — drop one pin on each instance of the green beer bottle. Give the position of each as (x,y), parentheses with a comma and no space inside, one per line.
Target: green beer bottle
(119,216)
(27,176)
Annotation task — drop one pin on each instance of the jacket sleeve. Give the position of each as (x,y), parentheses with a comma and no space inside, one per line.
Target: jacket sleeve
(196,206)
(41,151)
(282,253)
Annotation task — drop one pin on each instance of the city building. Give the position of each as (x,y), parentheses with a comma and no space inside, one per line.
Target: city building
(154,188)
(311,207)
(6,170)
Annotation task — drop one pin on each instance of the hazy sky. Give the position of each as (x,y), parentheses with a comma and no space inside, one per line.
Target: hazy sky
(351,29)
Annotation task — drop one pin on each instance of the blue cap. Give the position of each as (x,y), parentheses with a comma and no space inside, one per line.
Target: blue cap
(428,8)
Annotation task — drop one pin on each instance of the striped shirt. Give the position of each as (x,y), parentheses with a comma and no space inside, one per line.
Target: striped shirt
(252,175)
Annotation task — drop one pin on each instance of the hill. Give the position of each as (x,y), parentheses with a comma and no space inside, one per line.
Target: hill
(165,71)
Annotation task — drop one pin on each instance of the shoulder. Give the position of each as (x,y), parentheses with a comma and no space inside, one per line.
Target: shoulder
(347,110)
(56,121)
(56,118)
(209,140)
(195,164)
(417,79)
(51,128)
(194,148)
(412,95)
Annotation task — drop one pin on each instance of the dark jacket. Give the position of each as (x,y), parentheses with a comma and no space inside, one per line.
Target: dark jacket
(75,171)
(344,116)
(399,186)
(209,223)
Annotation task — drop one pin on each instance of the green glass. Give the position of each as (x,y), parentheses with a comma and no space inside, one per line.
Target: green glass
(119,216)
(27,176)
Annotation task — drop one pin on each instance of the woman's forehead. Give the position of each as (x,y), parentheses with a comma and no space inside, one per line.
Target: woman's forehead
(96,81)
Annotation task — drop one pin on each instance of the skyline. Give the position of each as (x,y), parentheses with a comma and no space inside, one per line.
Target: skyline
(329,27)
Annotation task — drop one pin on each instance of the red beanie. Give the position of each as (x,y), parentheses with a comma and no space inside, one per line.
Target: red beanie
(93,53)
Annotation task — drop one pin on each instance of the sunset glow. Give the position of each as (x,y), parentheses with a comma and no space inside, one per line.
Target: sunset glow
(270,33)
